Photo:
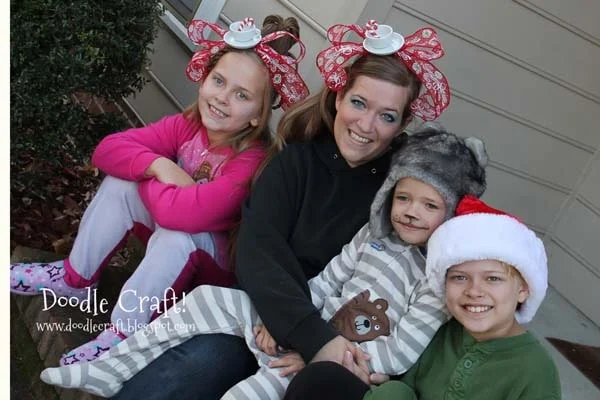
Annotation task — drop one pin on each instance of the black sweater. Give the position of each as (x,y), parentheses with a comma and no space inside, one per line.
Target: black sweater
(304,207)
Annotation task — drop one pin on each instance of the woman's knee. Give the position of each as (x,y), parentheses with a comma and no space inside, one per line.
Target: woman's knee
(204,367)
(326,380)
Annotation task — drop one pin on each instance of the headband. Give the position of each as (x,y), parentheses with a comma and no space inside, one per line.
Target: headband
(415,51)
(283,75)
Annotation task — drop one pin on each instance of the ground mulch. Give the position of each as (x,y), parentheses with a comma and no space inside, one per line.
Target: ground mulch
(46,215)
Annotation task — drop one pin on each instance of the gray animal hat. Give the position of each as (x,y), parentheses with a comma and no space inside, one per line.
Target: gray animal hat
(454,166)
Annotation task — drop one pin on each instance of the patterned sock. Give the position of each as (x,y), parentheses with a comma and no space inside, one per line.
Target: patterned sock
(31,278)
(94,348)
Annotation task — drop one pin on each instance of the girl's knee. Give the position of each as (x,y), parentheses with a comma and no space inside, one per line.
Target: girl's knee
(117,186)
(173,239)
(198,241)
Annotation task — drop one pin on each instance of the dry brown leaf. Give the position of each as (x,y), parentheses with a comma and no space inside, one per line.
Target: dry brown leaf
(60,246)
(70,203)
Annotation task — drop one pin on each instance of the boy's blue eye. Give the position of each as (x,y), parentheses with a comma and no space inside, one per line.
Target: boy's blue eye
(401,197)
(458,278)
(242,96)
(494,278)
(218,80)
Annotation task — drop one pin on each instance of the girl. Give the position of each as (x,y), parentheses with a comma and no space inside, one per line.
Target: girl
(179,182)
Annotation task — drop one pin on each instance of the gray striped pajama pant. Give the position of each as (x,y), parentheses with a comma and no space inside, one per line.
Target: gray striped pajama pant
(207,309)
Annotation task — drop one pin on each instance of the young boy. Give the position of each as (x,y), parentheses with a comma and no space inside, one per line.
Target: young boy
(374,293)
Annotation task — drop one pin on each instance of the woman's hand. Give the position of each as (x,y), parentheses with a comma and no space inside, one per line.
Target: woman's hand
(264,340)
(167,172)
(291,363)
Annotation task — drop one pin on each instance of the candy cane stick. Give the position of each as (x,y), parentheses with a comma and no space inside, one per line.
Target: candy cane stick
(372,27)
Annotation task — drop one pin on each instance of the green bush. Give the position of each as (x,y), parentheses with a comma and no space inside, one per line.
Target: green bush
(60,48)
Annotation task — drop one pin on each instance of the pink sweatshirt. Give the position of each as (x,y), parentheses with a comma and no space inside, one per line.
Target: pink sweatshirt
(209,206)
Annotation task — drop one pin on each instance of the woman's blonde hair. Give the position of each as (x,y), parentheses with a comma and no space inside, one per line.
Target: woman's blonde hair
(315,115)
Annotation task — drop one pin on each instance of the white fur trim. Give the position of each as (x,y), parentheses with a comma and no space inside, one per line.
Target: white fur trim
(484,236)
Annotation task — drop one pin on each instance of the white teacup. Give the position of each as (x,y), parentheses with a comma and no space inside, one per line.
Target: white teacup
(243,33)
(380,38)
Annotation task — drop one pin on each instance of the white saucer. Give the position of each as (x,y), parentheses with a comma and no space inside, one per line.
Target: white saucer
(396,44)
(230,40)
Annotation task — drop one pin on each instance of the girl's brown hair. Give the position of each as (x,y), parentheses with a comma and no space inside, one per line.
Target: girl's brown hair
(315,115)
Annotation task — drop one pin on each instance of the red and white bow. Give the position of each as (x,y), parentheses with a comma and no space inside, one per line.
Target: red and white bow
(416,53)
(284,77)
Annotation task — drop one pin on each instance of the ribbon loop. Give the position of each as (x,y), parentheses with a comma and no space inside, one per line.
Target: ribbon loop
(196,32)
(424,44)
(416,53)
(336,33)
(276,35)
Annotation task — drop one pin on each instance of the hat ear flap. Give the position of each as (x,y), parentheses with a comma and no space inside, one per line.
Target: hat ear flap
(476,184)
(381,208)
(477,147)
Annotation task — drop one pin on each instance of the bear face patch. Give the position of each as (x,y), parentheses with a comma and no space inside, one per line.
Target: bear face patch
(360,320)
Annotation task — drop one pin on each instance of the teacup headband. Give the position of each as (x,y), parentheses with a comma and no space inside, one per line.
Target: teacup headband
(286,81)
(415,51)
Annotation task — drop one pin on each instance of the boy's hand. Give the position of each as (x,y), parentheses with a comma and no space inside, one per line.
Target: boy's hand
(264,340)
(378,379)
(291,363)
(167,172)
(357,363)
(334,350)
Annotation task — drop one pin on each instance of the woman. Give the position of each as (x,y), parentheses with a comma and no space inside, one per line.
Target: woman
(308,202)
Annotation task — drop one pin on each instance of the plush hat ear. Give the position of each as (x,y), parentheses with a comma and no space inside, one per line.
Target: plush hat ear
(478,149)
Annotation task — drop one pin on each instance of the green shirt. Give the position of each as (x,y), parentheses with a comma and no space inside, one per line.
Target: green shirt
(456,366)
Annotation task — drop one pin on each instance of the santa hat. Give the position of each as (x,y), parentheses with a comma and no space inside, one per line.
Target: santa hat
(479,232)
